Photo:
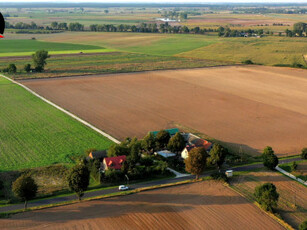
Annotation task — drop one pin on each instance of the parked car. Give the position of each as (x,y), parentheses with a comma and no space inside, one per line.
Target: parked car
(123,188)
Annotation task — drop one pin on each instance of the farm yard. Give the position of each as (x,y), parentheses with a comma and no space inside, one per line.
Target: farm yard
(35,134)
(292,205)
(208,205)
(236,105)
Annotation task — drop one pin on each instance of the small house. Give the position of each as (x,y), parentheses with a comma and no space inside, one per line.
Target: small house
(99,155)
(187,149)
(113,162)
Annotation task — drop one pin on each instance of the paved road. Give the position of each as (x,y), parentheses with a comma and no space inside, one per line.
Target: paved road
(134,186)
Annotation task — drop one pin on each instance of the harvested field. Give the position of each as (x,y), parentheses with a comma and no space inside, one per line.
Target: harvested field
(204,205)
(292,204)
(247,107)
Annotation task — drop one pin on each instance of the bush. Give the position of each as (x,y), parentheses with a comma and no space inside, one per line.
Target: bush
(304,153)
(27,68)
(146,161)
(248,62)
(267,196)
(219,176)
(12,68)
(294,166)
(303,225)
(113,176)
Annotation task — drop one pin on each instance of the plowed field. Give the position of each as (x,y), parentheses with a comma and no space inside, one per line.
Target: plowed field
(205,205)
(246,107)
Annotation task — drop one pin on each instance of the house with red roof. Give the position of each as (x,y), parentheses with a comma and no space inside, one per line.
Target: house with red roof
(113,162)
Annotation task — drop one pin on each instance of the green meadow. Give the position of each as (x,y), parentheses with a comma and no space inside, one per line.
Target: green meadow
(34,134)
(21,47)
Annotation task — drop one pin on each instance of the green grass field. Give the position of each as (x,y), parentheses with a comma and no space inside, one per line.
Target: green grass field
(272,50)
(26,47)
(34,134)
(117,62)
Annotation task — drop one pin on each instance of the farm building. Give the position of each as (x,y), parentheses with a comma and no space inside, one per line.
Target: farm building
(100,155)
(171,132)
(165,153)
(113,162)
(196,143)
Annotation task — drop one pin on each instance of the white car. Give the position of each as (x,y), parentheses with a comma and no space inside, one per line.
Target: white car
(123,188)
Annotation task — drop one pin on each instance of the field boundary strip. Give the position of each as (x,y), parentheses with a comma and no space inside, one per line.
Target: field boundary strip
(64,111)
(284,172)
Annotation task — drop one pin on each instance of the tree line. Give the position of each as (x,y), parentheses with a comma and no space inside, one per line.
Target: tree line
(299,30)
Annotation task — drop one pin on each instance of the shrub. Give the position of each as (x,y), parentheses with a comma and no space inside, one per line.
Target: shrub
(248,62)
(267,196)
(12,68)
(113,176)
(304,153)
(27,68)
(294,166)
(219,176)
(303,225)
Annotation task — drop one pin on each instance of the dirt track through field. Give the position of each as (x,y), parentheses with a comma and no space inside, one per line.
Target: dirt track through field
(204,205)
(247,107)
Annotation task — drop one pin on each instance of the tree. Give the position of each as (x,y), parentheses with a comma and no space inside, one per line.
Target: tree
(54,25)
(149,142)
(12,68)
(270,160)
(162,139)
(27,68)
(303,225)
(176,143)
(267,196)
(106,11)
(39,59)
(196,161)
(304,153)
(217,155)
(25,188)
(78,179)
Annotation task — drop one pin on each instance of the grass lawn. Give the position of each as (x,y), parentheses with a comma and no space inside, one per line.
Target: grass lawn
(35,134)
(27,47)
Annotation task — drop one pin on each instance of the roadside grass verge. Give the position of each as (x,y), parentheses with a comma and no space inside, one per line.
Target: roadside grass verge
(123,193)
(300,172)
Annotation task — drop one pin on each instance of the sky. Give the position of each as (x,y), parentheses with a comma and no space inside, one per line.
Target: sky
(161,1)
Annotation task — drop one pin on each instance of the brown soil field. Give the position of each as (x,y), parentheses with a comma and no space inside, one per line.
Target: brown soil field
(246,107)
(292,204)
(203,205)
